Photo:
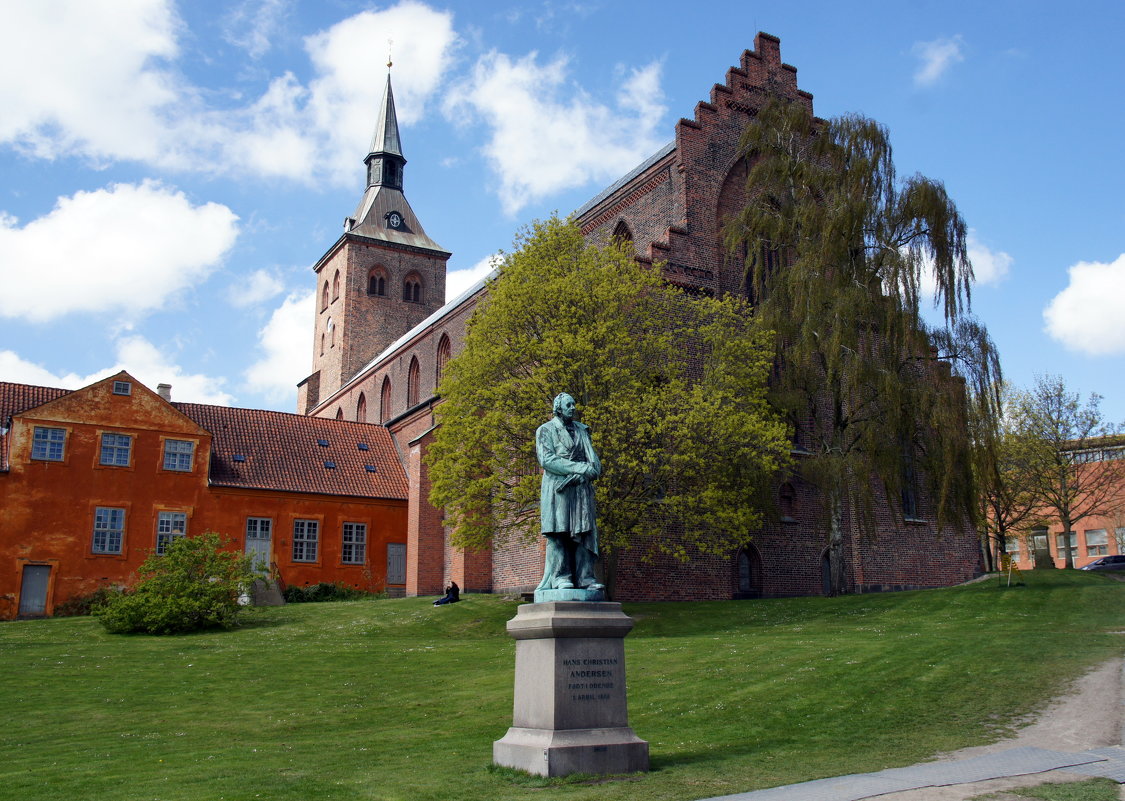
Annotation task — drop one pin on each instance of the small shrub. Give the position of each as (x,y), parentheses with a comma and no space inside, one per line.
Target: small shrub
(195,585)
(324,591)
(78,605)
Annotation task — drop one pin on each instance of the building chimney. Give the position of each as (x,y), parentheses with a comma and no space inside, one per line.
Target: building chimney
(164,391)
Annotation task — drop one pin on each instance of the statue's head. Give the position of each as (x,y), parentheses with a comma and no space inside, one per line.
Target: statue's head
(564,406)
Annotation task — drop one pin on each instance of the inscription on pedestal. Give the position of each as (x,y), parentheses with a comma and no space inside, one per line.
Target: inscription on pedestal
(570,712)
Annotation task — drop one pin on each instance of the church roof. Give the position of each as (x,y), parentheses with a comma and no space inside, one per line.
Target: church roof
(385,138)
(376,206)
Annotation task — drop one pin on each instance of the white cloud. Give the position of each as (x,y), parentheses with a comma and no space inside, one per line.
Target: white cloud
(124,249)
(259,286)
(287,344)
(63,66)
(548,135)
(457,281)
(990,267)
(251,24)
(351,58)
(140,358)
(936,58)
(1086,316)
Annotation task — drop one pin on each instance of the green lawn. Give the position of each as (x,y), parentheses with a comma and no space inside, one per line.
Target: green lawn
(397,699)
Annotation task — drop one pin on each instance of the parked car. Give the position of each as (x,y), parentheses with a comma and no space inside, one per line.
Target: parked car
(1106,563)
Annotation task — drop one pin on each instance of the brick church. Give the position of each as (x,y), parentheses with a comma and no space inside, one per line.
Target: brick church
(383,334)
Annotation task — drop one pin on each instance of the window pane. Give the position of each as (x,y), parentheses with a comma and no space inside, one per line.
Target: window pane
(354,546)
(305,540)
(177,454)
(109,525)
(169,525)
(1097,542)
(115,449)
(47,443)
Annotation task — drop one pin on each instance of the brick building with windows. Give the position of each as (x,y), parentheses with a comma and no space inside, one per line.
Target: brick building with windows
(385,336)
(1093,536)
(93,480)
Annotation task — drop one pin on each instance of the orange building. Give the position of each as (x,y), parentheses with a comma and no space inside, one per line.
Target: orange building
(1094,535)
(92,481)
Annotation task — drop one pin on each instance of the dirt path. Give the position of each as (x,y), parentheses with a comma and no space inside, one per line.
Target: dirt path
(1090,716)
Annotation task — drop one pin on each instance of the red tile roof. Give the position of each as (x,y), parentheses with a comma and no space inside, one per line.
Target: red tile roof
(16,398)
(282,452)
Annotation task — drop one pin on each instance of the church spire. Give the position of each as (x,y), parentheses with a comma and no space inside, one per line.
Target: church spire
(385,160)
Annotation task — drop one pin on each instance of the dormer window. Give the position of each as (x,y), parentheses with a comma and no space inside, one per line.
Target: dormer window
(394,220)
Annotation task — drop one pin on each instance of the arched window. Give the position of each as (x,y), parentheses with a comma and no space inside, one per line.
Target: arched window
(336,285)
(377,281)
(412,380)
(331,333)
(322,344)
(749,565)
(385,400)
(324,297)
(412,288)
(340,413)
(787,501)
(361,409)
(622,235)
(443,353)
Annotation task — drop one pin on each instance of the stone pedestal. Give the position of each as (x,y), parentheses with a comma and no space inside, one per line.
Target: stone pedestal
(570,713)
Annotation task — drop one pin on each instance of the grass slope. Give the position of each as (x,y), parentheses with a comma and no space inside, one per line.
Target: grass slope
(397,699)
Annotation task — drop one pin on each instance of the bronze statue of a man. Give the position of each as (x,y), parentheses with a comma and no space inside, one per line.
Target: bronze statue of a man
(566,503)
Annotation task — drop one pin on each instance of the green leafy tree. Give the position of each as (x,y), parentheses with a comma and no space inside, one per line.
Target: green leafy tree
(672,387)
(1004,463)
(839,254)
(194,585)
(1068,471)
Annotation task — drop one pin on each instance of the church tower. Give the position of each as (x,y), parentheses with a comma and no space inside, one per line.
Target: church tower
(381,278)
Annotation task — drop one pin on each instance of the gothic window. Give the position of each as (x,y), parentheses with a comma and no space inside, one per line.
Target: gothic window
(377,282)
(324,297)
(385,400)
(336,286)
(322,344)
(412,381)
(412,288)
(749,564)
(361,409)
(787,501)
(331,333)
(622,235)
(443,354)
(340,413)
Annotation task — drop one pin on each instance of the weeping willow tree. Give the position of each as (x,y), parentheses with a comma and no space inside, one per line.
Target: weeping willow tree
(673,389)
(840,254)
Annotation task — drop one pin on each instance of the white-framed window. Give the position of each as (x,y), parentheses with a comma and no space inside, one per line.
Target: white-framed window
(177,454)
(1119,536)
(1097,542)
(258,528)
(1012,548)
(1061,545)
(48,444)
(306,534)
(109,529)
(354,550)
(116,449)
(169,526)
(122,388)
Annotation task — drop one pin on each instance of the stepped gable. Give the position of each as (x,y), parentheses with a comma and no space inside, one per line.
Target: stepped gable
(282,452)
(673,205)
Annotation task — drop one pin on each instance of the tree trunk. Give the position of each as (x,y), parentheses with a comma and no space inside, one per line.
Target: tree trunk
(836,568)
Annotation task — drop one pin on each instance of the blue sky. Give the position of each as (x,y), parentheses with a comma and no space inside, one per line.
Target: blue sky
(170,172)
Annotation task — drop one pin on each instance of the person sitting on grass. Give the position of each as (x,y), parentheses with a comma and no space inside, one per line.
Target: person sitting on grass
(452,594)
